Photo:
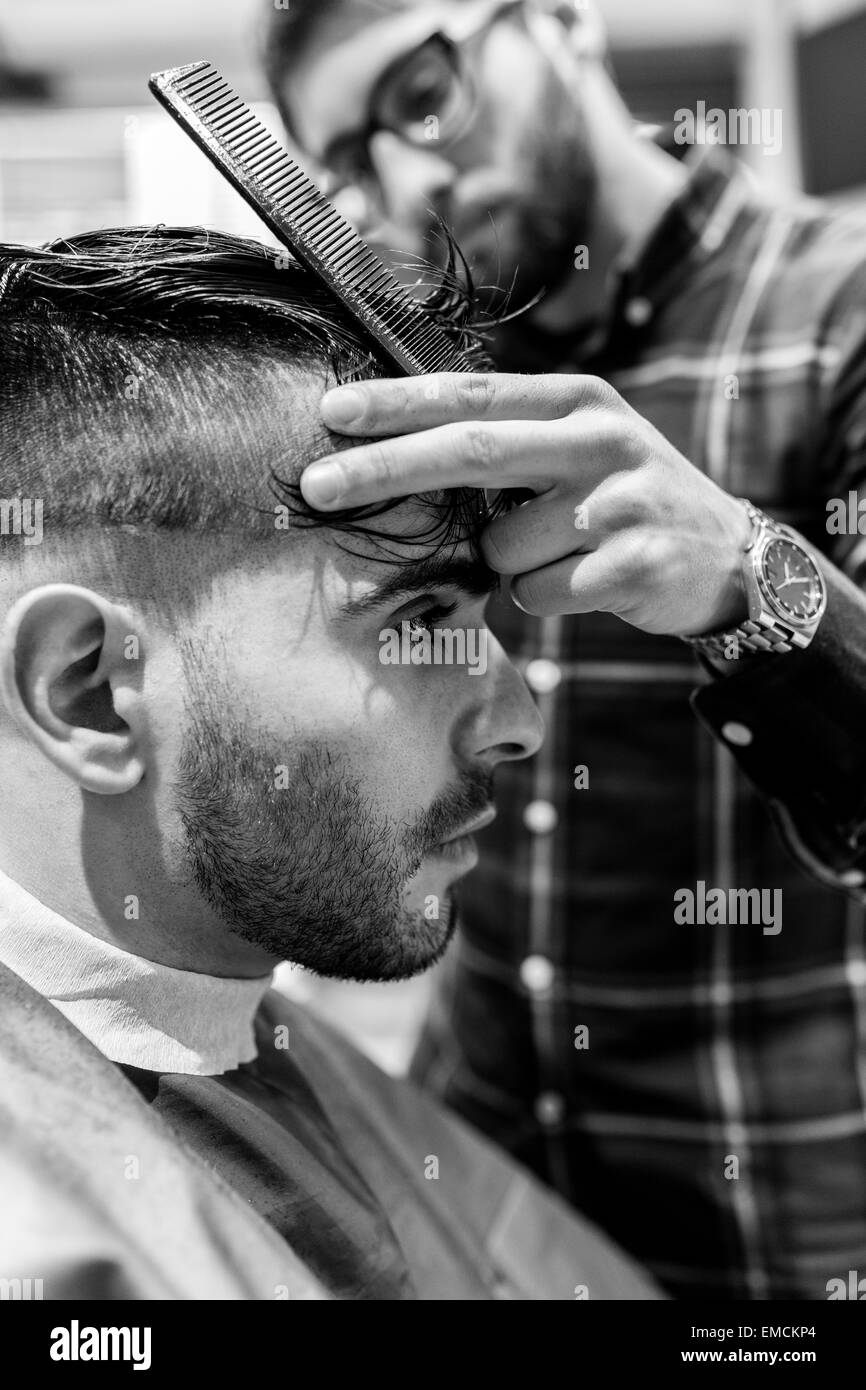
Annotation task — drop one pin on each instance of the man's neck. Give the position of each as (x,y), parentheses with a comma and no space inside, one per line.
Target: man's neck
(136,1011)
(106,874)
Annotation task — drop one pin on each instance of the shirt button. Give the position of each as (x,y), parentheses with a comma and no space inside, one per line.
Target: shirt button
(638,312)
(737,734)
(542,676)
(856,973)
(549,1108)
(536,973)
(540,817)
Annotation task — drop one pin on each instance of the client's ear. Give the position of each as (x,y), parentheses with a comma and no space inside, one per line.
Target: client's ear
(68,684)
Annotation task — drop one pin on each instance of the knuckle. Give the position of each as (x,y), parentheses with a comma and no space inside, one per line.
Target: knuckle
(656,552)
(479,447)
(625,560)
(600,392)
(621,440)
(644,554)
(476,392)
(380,469)
(607,427)
(623,502)
(634,444)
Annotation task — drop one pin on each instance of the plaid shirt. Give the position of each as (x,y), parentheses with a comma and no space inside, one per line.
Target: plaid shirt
(698,1090)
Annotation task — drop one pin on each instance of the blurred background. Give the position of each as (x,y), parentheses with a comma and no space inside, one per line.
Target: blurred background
(83,145)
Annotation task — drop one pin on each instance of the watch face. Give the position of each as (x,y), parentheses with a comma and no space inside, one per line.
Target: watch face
(794,582)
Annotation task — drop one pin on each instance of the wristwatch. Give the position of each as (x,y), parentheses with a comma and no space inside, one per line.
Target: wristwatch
(785,589)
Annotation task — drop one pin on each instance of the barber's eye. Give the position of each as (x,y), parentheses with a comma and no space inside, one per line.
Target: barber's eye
(429,618)
(425,87)
(424,94)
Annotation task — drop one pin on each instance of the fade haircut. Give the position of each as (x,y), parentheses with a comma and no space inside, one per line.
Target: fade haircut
(138,369)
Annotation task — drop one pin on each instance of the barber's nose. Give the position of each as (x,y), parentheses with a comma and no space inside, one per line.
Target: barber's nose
(411,178)
(506,726)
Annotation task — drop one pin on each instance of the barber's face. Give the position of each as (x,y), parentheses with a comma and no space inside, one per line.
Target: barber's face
(320,793)
(498,148)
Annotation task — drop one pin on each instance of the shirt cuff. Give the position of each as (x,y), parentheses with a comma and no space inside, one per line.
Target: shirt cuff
(796,723)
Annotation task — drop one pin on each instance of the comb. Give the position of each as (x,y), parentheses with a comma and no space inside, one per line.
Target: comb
(291,205)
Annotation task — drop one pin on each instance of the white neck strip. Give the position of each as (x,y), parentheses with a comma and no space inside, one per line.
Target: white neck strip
(135,1011)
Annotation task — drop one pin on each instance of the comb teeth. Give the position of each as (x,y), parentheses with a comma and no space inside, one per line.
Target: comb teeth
(290,204)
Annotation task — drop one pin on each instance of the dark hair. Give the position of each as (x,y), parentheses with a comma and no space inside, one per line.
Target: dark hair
(112,338)
(284,32)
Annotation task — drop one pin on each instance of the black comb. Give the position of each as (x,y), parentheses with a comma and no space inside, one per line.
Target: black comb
(277,188)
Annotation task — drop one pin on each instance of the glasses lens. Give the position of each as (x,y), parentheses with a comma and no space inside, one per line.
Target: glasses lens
(427,96)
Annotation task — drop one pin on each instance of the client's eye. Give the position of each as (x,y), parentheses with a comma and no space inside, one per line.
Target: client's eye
(426,620)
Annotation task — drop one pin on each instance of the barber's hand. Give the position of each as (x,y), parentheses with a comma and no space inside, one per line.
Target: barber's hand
(620,522)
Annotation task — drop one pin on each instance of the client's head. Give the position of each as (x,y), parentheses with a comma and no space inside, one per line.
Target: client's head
(211,755)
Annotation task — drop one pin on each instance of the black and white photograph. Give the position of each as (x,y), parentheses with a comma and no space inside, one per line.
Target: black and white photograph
(432,670)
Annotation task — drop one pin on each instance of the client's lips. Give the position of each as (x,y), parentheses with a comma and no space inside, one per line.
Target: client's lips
(471,827)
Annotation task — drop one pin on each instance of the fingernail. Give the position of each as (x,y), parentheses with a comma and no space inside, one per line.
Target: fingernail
(515,600)
(321,484)
(342,406)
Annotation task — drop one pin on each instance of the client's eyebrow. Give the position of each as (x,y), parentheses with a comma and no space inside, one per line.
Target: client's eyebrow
(472,576)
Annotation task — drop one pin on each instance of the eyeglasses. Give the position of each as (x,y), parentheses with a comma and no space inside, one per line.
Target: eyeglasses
(425,96)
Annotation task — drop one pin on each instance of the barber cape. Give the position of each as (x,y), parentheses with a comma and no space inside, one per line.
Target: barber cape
(304,1172)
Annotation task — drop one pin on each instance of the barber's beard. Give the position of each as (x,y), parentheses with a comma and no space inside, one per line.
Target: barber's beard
(312,872)
(540,236)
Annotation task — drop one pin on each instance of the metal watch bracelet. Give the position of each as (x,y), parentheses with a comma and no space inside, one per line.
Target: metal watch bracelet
(763,633)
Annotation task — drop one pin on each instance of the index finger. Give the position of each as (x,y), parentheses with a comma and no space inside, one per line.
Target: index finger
(504,454)
(405,404)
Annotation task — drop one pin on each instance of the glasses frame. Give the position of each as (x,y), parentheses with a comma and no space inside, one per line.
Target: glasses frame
(454,36)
